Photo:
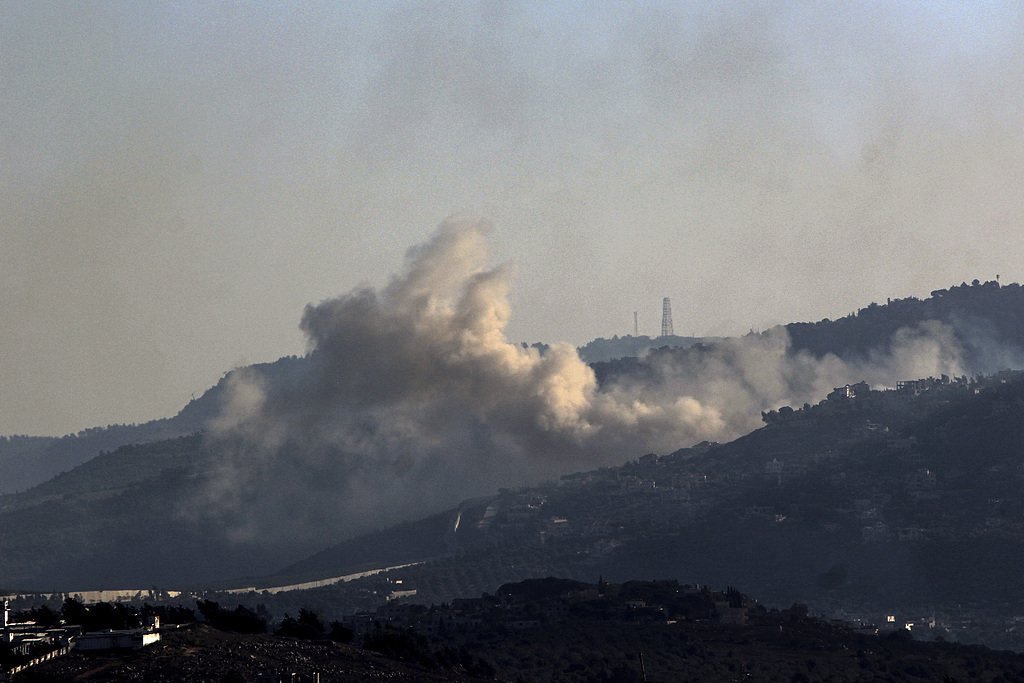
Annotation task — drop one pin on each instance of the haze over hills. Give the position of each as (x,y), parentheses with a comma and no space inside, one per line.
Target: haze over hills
(985,322)
(303,491)
(26,461)
(599,350)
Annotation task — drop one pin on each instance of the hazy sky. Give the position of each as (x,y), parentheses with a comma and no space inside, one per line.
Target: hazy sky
(178,180)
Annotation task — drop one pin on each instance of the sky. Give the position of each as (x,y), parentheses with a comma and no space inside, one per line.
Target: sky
(179,180)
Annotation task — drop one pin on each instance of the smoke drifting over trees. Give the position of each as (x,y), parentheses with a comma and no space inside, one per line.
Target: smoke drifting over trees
(415,398)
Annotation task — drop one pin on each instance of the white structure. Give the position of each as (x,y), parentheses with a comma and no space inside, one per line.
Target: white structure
(117,640)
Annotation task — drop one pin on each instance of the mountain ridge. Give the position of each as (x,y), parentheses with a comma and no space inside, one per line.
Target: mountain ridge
(82,512)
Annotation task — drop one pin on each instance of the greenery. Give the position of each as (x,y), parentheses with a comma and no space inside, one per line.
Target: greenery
(102,616)
(239,620)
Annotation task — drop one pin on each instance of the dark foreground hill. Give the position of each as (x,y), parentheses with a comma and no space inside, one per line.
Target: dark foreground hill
(554,630)
(205,655)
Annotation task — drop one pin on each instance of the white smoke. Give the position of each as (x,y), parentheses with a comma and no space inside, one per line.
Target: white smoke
(417,399)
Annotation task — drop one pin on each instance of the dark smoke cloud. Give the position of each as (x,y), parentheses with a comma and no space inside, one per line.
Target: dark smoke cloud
(416,399)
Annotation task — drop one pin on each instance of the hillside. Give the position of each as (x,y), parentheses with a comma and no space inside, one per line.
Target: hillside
(601,349)
(555,629)
(117,520)
(26,461)
(985,320)
(124,518)
(988,320)
(550,629)
(907,501)
(860,478)
(29,460)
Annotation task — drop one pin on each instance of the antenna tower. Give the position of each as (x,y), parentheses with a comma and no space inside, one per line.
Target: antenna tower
(666,318)
(636,325)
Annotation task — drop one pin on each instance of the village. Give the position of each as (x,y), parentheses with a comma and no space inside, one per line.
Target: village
(28,643)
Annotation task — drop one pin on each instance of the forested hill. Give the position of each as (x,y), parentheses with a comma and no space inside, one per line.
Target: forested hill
(893,500)
(26,461)
(987,319)
(601,349)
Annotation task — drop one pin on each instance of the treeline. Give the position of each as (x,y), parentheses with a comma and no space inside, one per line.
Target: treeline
(102,616)
(981,314)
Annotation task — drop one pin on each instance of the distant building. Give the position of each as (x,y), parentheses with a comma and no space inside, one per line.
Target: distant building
(32,644)
(128,639)
(125,639)
(399,594)
(851,391)
(910,386)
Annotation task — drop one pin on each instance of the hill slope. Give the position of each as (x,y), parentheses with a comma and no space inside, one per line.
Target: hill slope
(26,461)
(987,319)
(117,521)
(119,518)
(889,500)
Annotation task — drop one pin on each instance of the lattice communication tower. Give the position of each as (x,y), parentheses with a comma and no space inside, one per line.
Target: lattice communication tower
(666,318)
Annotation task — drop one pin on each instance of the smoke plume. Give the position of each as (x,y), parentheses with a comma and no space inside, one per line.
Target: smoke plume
(414,399)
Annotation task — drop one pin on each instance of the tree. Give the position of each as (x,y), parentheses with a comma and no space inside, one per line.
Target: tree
(42,615)
(240,620)
(340,633)
(308,626)
(74,611)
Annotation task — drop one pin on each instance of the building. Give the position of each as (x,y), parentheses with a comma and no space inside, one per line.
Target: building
(860,389)
(29,643)
(127,639)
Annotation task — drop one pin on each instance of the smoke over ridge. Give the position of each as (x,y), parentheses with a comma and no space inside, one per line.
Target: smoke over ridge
(415,399)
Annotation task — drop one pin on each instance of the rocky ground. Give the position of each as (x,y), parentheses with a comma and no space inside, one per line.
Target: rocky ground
(203,655)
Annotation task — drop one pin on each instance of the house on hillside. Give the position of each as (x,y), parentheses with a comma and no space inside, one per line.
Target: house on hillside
(850,391)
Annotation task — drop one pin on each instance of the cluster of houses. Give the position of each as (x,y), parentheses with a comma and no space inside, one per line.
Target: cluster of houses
(24,644)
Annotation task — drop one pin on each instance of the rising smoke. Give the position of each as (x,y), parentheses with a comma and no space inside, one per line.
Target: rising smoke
(415,399)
